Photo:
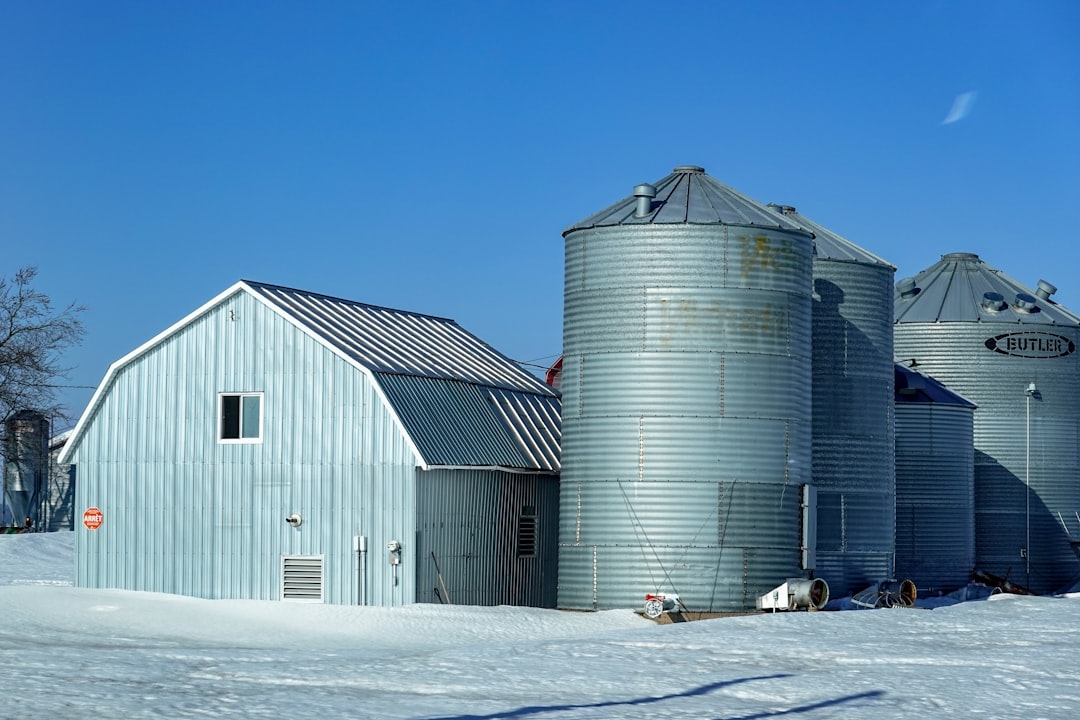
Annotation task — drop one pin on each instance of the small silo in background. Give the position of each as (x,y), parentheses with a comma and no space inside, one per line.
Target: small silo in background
(26,469)
(852,410)
(1010,350)
(935,492)
(686,399)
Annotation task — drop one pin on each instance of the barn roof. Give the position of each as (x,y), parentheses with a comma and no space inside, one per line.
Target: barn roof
(460,402)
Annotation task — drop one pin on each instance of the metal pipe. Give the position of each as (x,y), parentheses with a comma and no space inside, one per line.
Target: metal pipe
(1027,483)
(644,194)
(907,288)
(1045,290)
(360,547)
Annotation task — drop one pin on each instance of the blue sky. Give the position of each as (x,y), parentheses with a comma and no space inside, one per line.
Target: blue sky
(427,156)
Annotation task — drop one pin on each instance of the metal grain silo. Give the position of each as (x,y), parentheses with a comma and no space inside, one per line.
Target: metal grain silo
(26,468)
(935,492)
(686,399)
(852,410)
(1012,351)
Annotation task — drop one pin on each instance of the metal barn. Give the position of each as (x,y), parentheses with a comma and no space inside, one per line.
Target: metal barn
(1010,350)
(282,444)
(852,410)
(686,399)
(935,484)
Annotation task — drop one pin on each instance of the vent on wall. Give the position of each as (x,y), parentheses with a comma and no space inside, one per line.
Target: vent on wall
(526,535)
(302,578)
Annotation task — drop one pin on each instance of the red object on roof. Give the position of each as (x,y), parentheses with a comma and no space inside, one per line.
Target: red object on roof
(554,374)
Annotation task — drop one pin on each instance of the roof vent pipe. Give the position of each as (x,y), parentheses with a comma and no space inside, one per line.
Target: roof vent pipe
(644,194)
(1045,290)
(993,301)
(1024,302)
(907,288)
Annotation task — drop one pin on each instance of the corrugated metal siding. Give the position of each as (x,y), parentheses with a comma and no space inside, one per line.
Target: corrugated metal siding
(829,245)
(853,423)
(951,290)
(935,495)
(185,514)
(535,423)
(686,372)
(714,543)
(688,195)
(60,499)
(396,341)
(956,354)
(467,524)
(26,469)
(456,423)
(60,502)
(462,403)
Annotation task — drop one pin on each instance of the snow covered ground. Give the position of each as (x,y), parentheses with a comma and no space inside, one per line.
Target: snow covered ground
(67,652)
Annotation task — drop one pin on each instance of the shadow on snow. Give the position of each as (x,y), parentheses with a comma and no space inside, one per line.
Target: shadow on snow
(703,690)
(811,707)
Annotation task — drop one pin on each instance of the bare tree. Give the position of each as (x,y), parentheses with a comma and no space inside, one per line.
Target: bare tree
(32,338)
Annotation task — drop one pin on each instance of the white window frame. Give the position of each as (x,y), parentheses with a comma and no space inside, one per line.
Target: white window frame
(220,418)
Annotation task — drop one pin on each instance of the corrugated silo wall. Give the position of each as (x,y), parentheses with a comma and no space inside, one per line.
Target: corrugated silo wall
(26,469)
(853,423)
(1005,514)
(486,537)
(686,414)
(935,516)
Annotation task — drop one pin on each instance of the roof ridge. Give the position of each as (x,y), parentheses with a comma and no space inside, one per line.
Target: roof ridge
(336,298)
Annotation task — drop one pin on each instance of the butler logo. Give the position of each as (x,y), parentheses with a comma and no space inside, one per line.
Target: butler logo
(1031,345)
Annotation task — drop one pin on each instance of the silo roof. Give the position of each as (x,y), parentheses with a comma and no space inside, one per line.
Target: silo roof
(828,245)
(688,196)
(963,288)
(912,386)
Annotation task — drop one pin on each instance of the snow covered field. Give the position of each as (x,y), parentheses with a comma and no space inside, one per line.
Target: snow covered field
(67,652)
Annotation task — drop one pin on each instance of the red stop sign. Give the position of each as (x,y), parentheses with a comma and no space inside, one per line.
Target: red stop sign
(92,518)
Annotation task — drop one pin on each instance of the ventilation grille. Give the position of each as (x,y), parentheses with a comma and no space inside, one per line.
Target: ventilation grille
(302,578)
(526,536)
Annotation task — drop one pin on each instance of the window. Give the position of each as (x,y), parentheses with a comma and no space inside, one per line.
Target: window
(526,534)
(240,419)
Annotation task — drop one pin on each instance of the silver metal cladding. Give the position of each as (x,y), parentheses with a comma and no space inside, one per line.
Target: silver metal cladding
(686,404)
(1026,460)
